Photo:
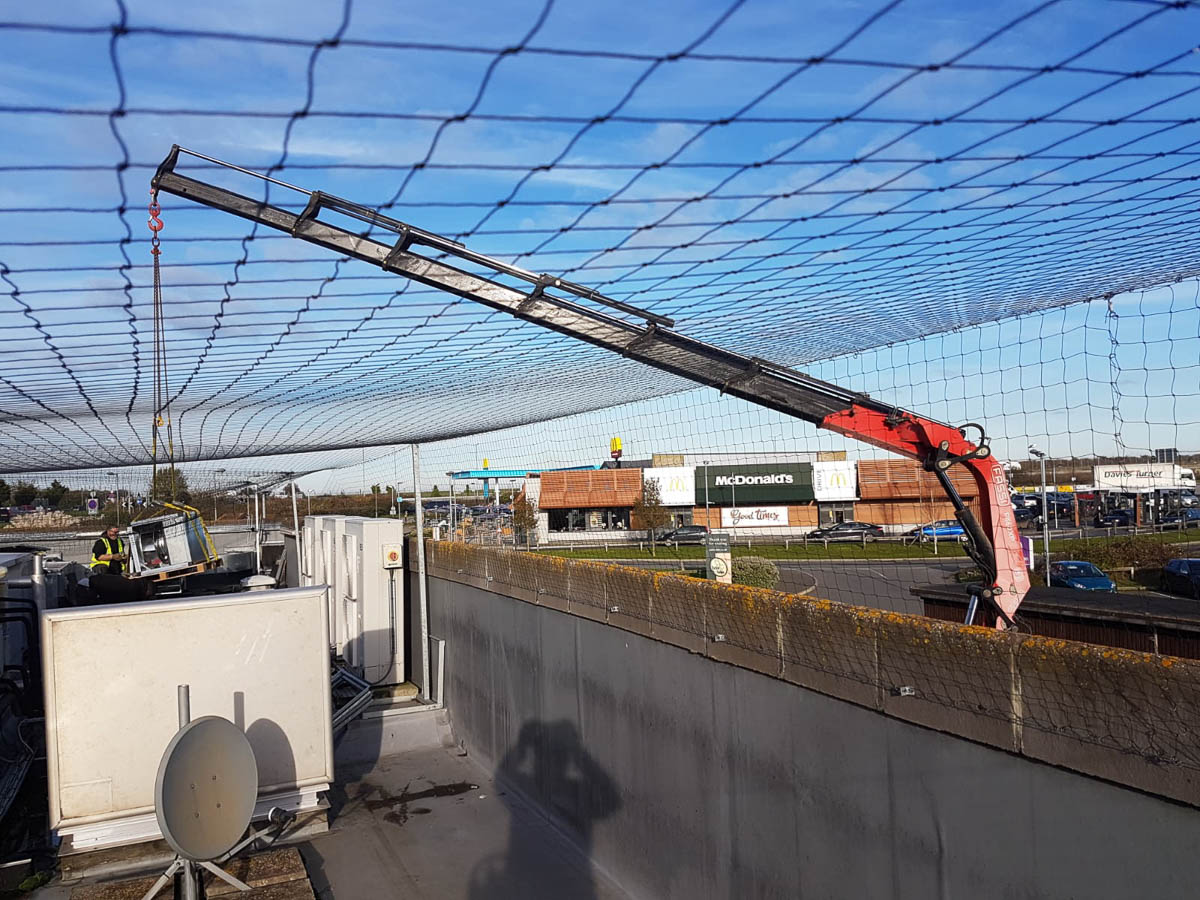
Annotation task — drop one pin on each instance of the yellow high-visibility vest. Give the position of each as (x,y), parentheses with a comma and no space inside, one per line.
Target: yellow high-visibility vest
(120,564)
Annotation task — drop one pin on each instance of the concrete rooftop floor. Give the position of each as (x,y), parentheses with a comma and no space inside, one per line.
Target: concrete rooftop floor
(412,826)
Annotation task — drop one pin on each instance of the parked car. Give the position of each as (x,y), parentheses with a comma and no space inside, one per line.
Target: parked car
(1188,518)
(847,531)
(1026,515)
(1021,501)
(942,528)
(1118,518)
(1083,576)
(685,534)
(1181,576)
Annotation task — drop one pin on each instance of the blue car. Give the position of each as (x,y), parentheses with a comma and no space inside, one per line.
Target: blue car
(1188,517)
(943,528)
(1082,576)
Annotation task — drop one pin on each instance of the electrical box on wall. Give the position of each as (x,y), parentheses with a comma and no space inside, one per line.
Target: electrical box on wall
(393,556)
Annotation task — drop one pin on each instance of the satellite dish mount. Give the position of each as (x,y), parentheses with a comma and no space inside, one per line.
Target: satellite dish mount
(204,796)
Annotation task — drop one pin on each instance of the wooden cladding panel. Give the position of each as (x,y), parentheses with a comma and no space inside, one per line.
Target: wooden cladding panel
(594,489)
(904,479)
(911,513)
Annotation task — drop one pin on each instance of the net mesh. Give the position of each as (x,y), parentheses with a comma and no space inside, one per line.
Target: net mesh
(987,217)
(802,192)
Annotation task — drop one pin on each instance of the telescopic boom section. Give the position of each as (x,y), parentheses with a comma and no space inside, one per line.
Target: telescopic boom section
(993,543)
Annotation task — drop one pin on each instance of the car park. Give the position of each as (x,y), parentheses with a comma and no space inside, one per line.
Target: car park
(1080,575)
(685,534)
(846,531)
(1181,576)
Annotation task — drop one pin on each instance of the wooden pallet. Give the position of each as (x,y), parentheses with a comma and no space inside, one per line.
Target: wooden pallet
(160,575)
(274,875)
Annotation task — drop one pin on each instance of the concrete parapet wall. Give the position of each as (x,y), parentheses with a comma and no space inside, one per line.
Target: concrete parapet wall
(1120,715)
(827,758)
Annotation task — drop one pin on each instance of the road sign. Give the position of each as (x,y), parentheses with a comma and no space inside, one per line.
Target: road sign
(93,506)
(717,541)
(719,562)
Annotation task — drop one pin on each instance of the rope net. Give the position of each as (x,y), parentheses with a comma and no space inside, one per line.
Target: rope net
(989,216)
(800,191)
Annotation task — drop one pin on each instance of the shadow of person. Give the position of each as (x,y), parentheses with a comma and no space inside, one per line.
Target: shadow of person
(549,767)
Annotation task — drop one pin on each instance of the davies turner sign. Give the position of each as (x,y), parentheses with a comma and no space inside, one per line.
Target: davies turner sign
(754,517)
(1143,477)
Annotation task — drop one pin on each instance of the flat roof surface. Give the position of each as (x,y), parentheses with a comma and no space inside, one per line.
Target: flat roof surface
(431,823)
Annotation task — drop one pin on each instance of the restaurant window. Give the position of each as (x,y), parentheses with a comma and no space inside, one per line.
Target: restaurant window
(565,519)
(832,513)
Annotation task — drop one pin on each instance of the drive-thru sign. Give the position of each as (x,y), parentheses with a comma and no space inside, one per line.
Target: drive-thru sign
(719,561)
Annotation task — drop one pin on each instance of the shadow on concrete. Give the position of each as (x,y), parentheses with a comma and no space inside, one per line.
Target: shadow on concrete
(549,766)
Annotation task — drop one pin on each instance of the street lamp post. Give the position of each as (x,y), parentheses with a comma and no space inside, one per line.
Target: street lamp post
(215,492)
(1054,479)
(1045,510)
(117,493)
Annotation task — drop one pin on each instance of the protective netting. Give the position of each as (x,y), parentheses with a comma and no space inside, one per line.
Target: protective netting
(798,187)
(1105,390)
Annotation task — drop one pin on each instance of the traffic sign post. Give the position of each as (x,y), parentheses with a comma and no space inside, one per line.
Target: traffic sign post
(93,506)
(719,560)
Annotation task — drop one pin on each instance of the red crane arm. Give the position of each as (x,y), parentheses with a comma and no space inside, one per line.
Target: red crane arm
(994,543)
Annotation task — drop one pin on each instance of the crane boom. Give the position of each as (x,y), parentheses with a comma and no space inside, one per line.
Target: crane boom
(993,543)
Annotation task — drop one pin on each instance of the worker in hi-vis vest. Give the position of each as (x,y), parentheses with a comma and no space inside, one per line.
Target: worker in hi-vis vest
(108,553)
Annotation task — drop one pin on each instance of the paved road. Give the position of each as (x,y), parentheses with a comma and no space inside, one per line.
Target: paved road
(883,584)
(879,583)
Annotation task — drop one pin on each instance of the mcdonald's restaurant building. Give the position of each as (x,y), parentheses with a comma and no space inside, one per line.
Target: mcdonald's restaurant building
(787,499)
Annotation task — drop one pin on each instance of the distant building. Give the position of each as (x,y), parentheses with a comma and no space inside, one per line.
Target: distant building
(785,497)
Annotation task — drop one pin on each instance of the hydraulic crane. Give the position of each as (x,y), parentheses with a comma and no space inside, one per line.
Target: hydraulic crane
(992,541)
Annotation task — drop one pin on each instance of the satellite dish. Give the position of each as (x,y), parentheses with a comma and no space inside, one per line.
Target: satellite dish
(206,788)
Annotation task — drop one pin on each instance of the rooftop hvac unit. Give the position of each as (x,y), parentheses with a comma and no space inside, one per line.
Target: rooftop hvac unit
(361,561)
(170,544)
(373,598)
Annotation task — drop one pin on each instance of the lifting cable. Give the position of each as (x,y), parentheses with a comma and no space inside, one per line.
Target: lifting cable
(162,398)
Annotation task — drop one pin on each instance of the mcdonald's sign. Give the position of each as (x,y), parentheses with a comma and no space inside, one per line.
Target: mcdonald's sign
(676,484)
(835,480)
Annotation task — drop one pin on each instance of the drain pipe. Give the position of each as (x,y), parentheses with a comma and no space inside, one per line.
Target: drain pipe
(39,581)
(35,583)
(299,537)
(424,597)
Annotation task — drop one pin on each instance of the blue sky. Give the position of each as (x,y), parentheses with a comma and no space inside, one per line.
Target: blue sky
(848,203)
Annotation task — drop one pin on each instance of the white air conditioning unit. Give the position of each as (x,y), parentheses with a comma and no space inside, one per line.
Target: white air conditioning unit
(361,560)
(373,616)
